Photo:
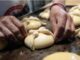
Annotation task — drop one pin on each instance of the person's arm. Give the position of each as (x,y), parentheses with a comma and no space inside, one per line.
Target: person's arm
(52,2)
(62,23)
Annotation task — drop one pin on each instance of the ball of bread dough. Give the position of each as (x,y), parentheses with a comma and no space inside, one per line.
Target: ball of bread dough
(40,38)
(45,14)
(75,14)
(62,56)
(32,23)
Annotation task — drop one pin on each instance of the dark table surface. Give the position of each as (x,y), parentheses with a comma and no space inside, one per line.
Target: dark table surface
(24,53)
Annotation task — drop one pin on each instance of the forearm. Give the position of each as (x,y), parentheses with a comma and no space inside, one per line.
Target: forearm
(59,1)
(54,1)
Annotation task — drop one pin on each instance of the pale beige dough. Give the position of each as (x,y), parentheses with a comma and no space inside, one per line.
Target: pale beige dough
(75,14)
(40,38)
(32,23)
(45,14)
(62,56)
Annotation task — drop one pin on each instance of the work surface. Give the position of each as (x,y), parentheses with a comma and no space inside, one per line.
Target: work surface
(24,53)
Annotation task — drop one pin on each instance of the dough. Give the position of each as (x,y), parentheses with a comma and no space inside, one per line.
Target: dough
(75,14)
(40,38)
(32,23)
(62,56)
(45,14)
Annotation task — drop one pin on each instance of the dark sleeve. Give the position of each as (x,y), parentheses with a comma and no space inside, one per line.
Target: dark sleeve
(35,4)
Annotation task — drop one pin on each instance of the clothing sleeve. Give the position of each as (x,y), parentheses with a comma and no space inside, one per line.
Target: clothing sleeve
(11,7)
(36,4)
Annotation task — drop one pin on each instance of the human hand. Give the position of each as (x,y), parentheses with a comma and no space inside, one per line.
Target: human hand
(62,23)
(11,29)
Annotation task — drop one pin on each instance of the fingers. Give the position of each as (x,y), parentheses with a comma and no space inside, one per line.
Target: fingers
(12,28)
(72,26)
(16,22)
(58,33)
(3,41)
(2,37)
(60,28)
(54,24)
(7,23)
(69,30)
(7,33)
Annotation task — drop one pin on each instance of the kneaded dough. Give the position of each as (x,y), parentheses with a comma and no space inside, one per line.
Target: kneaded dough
(62,56)
(45,14)
(31,22)
(75,14)
(40,38)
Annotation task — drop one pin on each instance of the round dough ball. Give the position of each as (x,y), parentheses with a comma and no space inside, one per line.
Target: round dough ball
(75,14)
(43,41)
(32,23)
(45,14)
(62,56)
(38,39)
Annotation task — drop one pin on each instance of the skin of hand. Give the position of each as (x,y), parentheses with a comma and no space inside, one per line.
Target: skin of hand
(11,29)
(62,23)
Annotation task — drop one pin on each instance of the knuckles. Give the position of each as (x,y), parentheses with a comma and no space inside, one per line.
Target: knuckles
(7,32)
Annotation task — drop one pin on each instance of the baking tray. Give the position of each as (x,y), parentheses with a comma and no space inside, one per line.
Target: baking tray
(24,53)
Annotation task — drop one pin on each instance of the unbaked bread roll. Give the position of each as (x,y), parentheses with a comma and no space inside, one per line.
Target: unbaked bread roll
(77,33)
(45,14)
(32,23)
(62,56)
(75,14)
(40,38)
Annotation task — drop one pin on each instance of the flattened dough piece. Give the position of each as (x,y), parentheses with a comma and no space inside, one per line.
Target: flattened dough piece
(62,56)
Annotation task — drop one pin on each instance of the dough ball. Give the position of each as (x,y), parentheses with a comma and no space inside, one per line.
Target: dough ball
(62,56)
(32,23)
(75,14)
(43,41)
(40,38)
(45,14)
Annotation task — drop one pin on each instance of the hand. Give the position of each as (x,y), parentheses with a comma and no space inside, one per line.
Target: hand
(11,29)
(62,23)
